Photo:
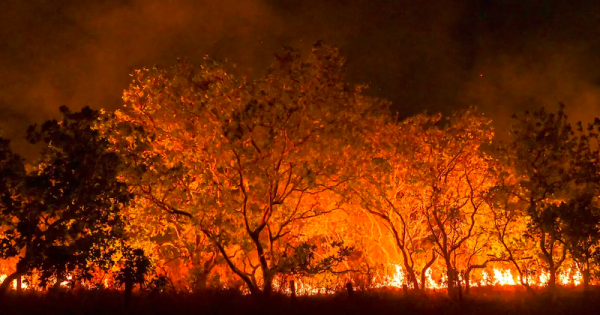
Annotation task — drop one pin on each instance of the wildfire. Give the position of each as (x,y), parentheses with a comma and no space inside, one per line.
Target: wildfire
(398,279)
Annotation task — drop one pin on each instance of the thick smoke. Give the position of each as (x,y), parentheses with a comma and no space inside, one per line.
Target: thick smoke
(420,56)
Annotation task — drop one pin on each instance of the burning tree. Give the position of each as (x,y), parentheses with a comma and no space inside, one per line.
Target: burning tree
(451,179)
(248,163)
(283,177)
(510,226)
(385,191)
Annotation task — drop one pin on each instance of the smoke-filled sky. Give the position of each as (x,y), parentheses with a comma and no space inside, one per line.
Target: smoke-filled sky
(502,56)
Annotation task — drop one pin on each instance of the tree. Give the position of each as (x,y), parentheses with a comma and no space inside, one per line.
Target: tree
(581,215)
(510,224)
(477,251)
(385,190)
(67,220)
(247,163)
(451,179)
(175,246)
(551,164)
(12,173)
(135,267)
(580,218)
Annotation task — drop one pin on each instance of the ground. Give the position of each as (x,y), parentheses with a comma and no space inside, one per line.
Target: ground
(488,301)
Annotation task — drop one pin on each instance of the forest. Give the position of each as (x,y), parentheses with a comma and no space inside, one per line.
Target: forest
(296,183)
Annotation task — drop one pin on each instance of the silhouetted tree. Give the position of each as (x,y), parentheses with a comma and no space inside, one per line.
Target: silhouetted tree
(12,173)
(135,267)
(580,218)
(557,169)
(67,220)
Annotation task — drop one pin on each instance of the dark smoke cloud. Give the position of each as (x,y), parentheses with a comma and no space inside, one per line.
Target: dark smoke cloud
(535,54)
(79,53)
(420,56)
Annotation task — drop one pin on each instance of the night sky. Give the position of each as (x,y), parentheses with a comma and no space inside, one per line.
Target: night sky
(502,56)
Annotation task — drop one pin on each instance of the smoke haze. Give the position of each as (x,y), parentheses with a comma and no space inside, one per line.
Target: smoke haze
(441,56)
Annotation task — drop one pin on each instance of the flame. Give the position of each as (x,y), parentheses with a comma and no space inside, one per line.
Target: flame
(485,279)
(577,278)
(430,282)
(397,279)
(13,285)
(503,277)
(65,283)
(544,277)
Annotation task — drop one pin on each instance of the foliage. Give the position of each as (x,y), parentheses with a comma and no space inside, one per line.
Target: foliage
(68,217)
(453,176)
(244,163)
(12,172)
(135,267)
(210,181)
(557,169)
(386,190)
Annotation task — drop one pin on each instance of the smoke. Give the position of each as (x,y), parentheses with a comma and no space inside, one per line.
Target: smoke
(420,56)
(549,75)
(532,55)
(79,53)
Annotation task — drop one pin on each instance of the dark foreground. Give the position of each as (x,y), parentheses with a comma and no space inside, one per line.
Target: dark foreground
(486,301)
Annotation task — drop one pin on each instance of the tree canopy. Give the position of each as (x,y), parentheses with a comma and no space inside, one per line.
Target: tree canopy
(63,216)
(205,179)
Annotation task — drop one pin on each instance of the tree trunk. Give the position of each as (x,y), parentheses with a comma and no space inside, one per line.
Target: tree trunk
(249,282)
(128,293)
(451,282)
(264,265)
(412,277)
(350,290)
(267,283)
(293,289)
(201,281)
(19,284)
(207,266)
(586,279)
(468,281)
(6,283)
(552,280)
(523,283)
(468,275)
(425,268)
(459,287)
(56,286)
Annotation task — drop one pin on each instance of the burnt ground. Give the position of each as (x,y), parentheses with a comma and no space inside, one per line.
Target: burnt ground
(486,301)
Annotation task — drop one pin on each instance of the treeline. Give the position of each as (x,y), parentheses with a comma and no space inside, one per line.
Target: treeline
(205,180)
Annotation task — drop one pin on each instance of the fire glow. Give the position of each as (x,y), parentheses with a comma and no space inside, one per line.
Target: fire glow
(570,277)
